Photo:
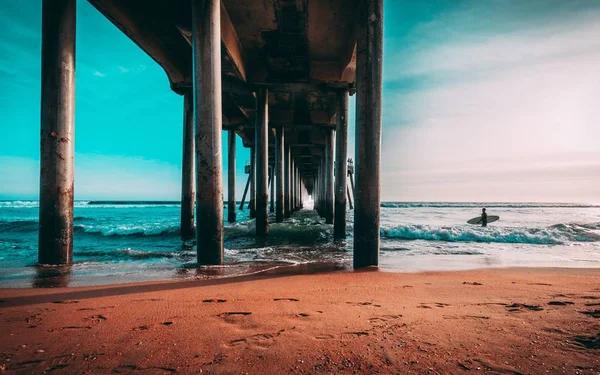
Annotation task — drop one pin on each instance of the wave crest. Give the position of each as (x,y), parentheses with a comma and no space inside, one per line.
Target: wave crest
(557,234)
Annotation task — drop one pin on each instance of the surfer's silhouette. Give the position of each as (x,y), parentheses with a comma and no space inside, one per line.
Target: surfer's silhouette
(483,218)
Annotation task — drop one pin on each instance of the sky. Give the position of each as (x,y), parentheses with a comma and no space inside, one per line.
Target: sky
(483,100)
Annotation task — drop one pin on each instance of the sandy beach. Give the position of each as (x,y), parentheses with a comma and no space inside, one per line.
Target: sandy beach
(501,321)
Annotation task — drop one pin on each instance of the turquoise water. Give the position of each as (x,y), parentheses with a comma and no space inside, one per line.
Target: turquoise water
(123,241)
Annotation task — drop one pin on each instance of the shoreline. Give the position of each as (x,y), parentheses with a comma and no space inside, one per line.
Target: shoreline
(511,320)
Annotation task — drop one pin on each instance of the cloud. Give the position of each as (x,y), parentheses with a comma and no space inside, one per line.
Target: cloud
(122,69)
(481,116)
(98,74)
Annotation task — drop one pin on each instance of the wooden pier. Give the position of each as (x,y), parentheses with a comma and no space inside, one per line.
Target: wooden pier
(276,73)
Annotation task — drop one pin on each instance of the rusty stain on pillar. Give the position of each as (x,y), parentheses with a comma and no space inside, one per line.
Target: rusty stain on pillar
(329,186)
(369,58)
(261,142)
(279,173)
(187,168)
(231,209)
(206,56)
(57,123)
(252,199)
(341,166)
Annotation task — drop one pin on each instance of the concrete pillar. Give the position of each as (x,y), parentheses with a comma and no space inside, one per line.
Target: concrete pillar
(341,166)
(206,57)
(55,242)
(261,142)
(369,58)
(252,199)
(231,208)
(279,173)
(187,169)
(286,193)
(272,187)
(293,185)
(329,177)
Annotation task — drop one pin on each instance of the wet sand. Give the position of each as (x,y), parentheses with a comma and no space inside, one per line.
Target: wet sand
(500,321)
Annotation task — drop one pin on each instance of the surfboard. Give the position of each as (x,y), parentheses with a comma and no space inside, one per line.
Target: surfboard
(477,220)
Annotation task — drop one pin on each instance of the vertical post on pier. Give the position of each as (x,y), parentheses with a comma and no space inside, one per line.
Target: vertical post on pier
(261,142)
(252,199)
(206,62)
(279,172)
(231,209)
(369,58)
(329,178)
(287,162)
(293,186)
(272,186)
(187,169)
(341,166)
(55,242)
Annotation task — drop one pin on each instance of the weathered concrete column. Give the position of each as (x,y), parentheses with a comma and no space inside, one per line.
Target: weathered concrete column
(341,166)
(252,199)
(288,154)
(329,178)
(187,169)
(279,173)
(293,185)
(55,242)
(231,206)
(261,142)
(206,53)
(272,187)
(369,58)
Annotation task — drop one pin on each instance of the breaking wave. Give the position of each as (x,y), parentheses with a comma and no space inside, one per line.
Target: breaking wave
(553,235)
(479,205)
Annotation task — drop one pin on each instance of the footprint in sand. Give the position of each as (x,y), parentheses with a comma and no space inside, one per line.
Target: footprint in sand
(286,299)
(214,300)
(560,303)
(233,313)
(126,369)
(592,313)
(353,335)
(436,304)
(303,315)
(260,338)
(95,319)
(518,307)
(67,302)
(588,342)
(363,304)
(471,283)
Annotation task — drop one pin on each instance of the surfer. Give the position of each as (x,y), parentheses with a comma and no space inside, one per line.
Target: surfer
(483,218)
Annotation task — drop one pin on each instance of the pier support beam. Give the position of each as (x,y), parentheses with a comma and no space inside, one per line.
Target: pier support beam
(272,187)
(329,178)
(292,185)
(206,57)
(231,208)
(187,169)
(369,58)
(287,162)
(57,132)
(279,173)
(261,142)
(341,166)
(252,199)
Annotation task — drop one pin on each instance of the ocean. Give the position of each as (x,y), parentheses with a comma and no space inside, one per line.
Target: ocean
(139,241)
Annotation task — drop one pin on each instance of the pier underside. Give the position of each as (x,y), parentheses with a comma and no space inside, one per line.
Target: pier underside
(276,73)
(302,51)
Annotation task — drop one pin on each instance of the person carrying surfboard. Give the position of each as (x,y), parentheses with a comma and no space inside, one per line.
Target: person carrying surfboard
(483,218)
